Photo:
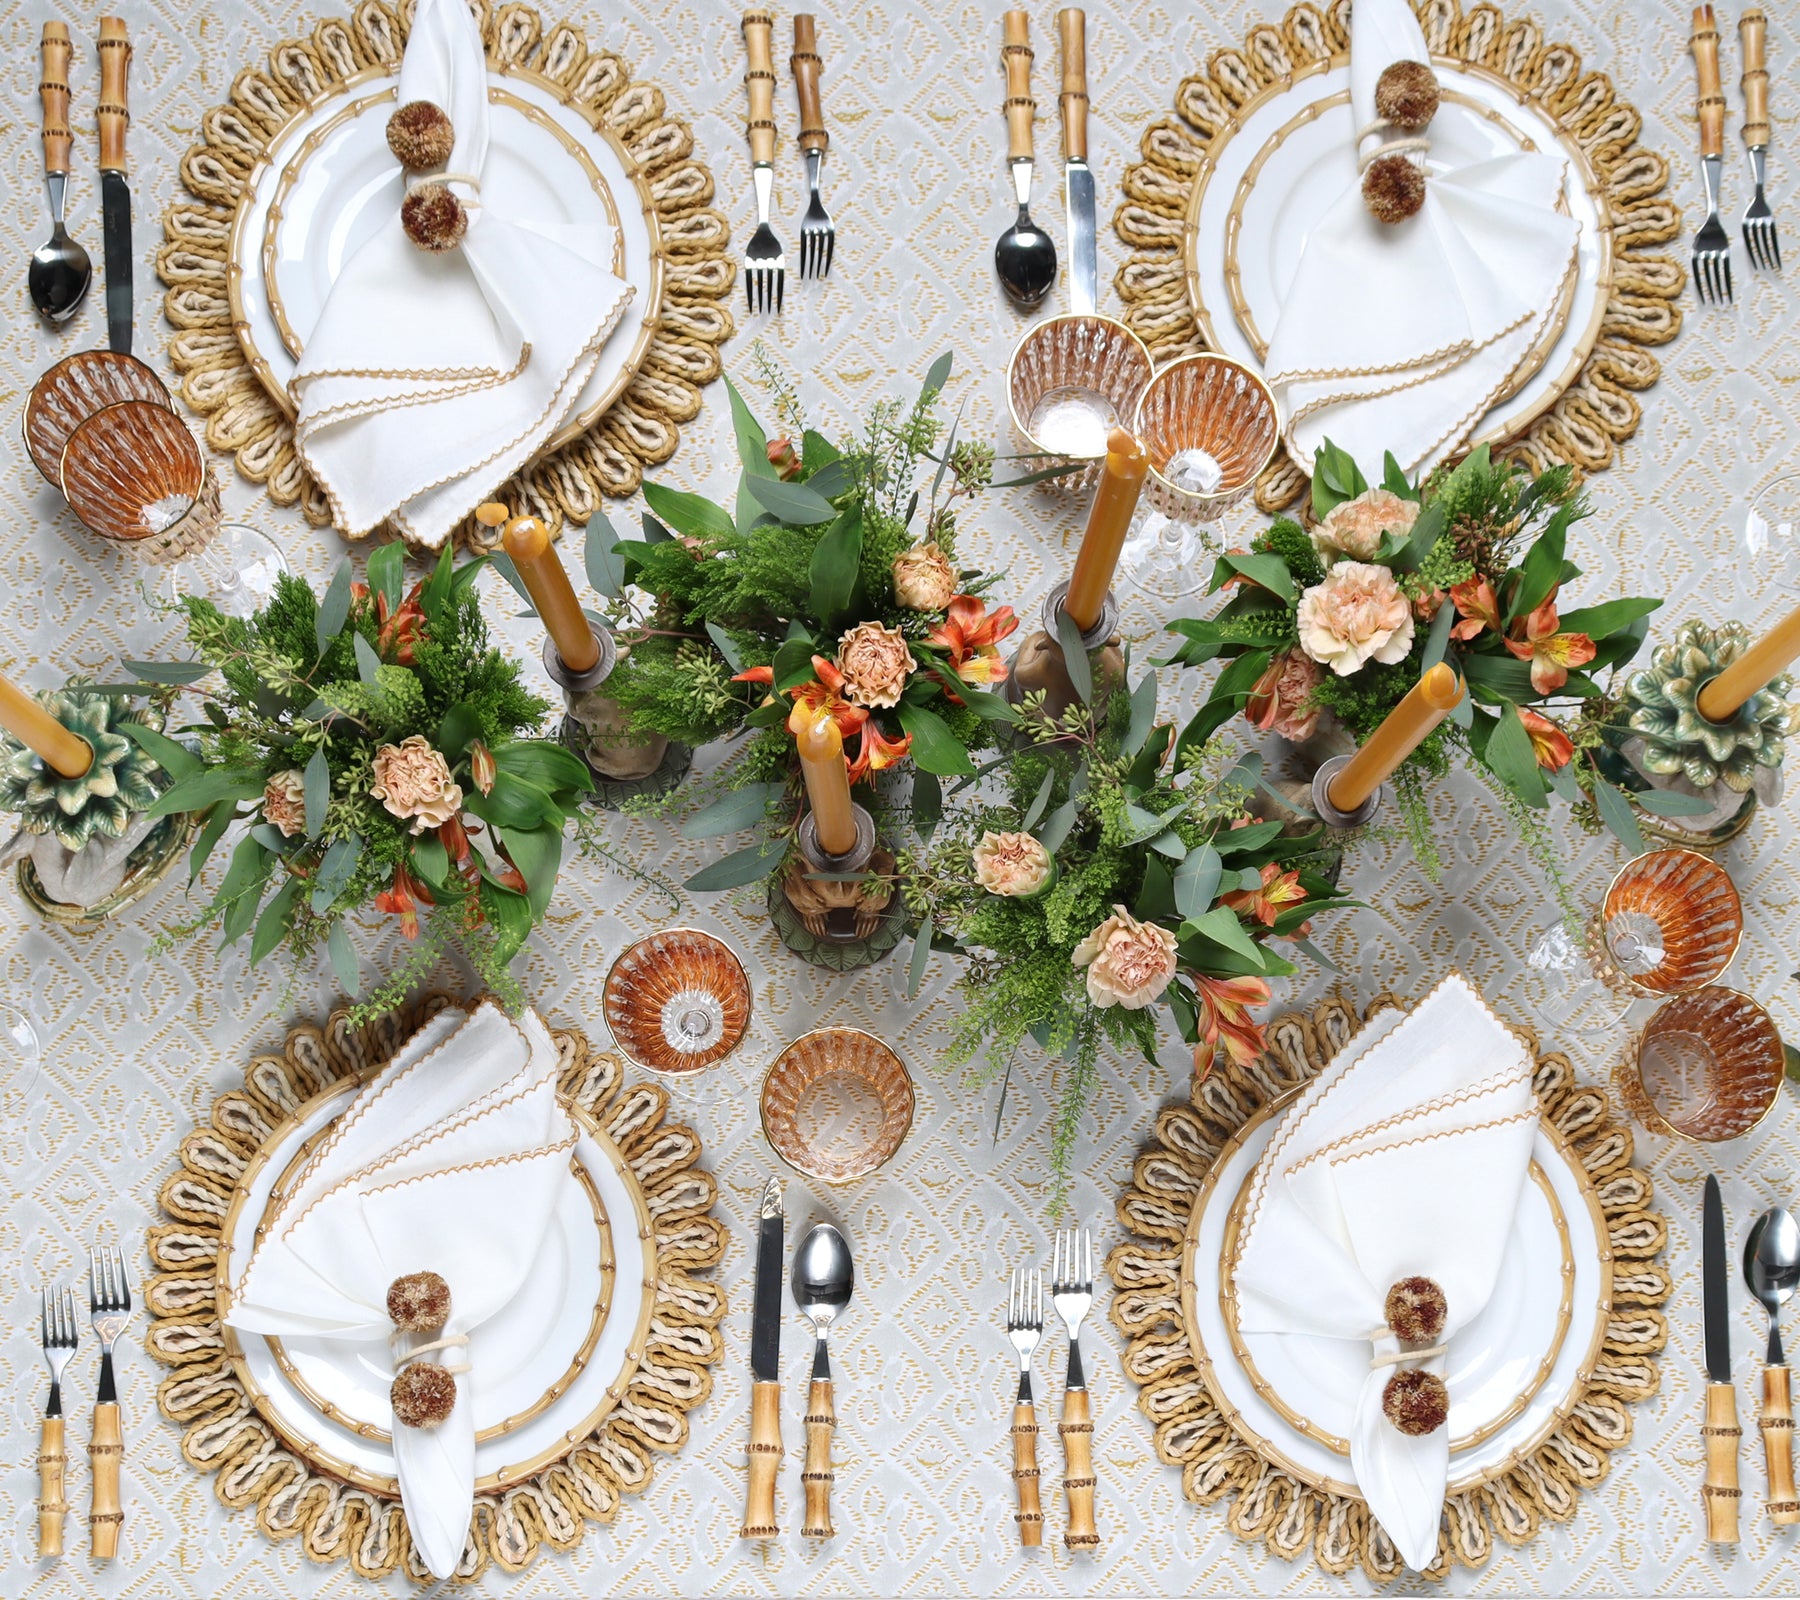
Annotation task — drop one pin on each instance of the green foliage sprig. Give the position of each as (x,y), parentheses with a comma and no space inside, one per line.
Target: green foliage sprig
(315,696)
(1134,824)
(1478,553)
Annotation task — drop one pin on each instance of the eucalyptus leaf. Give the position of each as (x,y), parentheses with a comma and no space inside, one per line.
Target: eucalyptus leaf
(739,868)
(334,609)
(201,789)
(1039,802)
(316,782)
(1170,844)
(793,503)
(178,674)
(368,664)
(1075,658)
(501,562)
(927,802)
(1222,927)
(1437,641)
(752,442)
(1056,826)
(921,955)
(722,643)
(937,376)
(175,759)
(1197,882)
(241,892)
(276,920)
(691,514)
(1143,714)
(336,868)
(831,480)
(742,808)
(1671,803)
(343,960)
(1513,762)
(1616,813)
(836,560)
(218,819)
(605,566)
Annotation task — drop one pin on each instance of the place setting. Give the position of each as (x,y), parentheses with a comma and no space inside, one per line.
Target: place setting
(654,936)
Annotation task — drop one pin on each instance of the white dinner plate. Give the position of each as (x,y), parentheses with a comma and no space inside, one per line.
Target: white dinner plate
(327,181)
(544,1371)
(1513,1372)
(1270,176)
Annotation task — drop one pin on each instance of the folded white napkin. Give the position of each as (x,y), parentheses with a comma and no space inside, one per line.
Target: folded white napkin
(1405,1157)
(1401,336)
(432,378)
(449,1161)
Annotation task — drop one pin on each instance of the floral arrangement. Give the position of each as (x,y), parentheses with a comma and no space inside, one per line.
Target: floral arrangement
(1121,874)
(376,747)
(827,587)
(1339,620)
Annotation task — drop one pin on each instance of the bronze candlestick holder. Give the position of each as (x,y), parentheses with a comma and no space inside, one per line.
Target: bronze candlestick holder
(825,911)
(1335,816)
(624,765)
(1040,663)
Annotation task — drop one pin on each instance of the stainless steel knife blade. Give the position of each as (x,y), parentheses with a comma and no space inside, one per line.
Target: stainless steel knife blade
(115,233)
(1715,1283)
(765,1321)
(112,117)
(1078,180)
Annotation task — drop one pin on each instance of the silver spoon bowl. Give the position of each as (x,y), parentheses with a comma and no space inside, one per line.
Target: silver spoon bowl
(824,1278)
(60,270)
(1772,1269)
(1025,260)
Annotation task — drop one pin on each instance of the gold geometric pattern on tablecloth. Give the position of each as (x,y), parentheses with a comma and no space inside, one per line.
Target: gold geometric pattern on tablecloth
(1219,1463)
(1598,411)
(566,485)
(222,1431)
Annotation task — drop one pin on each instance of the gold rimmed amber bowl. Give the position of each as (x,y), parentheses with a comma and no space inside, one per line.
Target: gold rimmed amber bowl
(1669,924)
(1708,1067)
(70,392)
(1219,407)
(837,1104)
(1071,380)
(677,1002)
(135,474)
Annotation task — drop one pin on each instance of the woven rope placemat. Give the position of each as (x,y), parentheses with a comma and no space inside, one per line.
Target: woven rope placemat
(222,1432)
(1598,411)
(1221,1464)
(640,429)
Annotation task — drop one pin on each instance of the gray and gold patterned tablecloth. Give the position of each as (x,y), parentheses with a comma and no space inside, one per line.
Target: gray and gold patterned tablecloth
(134,1045)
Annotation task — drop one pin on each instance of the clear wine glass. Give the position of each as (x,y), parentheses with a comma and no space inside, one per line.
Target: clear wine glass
(1771,537)
(236,570)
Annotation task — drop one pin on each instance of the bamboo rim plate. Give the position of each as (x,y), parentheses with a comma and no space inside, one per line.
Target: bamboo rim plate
(326,181)
(1286,155)
(554,1363)
(1530,1366)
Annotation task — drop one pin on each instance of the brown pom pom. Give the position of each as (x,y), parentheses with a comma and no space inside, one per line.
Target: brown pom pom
(421,136)
(422,1395)
(419,1302)
(1416,1402)
(1406,94)
(1393,189)
(1415,1310)
(433,217)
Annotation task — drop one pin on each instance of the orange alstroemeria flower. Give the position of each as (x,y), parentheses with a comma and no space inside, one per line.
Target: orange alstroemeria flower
(1550,653)
(1225,1021)
(970,634)
(1549,743)
(877,751)
(1477,606)
(1264,904)
(821,696)
(404,900)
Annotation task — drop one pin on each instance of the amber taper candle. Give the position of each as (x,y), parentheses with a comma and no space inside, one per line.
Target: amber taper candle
(527,543)
(1768,658)
(822,764)
(28,722)
(1121,482)
(1402,731)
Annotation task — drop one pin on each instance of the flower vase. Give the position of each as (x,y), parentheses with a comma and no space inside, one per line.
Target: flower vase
(625,765)
(825,913)
(1040,665)
(83,889)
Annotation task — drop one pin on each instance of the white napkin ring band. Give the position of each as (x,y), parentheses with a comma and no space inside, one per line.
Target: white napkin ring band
(1376,1363)
(450,1341)
(1392,147)
(469,180)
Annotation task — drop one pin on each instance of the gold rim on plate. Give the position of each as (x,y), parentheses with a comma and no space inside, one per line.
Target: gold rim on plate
(1232,1247)
(380,1435)
(273,157)
(1510,425)
(1270,1451)
(308,1450)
